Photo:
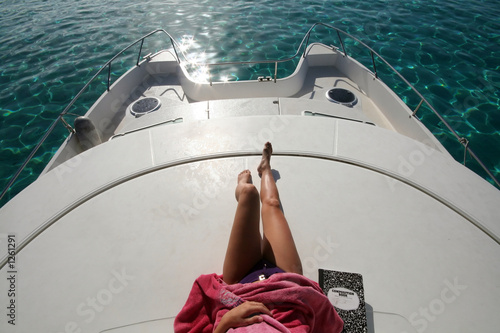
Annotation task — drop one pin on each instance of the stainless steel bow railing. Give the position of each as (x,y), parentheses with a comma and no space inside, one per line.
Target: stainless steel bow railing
(462,140)
(60,118)
(301,51)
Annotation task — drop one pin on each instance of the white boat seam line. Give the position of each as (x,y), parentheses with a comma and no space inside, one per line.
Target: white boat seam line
(153,162)
(31,236)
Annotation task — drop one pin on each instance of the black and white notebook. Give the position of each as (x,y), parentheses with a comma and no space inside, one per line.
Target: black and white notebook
(345,291)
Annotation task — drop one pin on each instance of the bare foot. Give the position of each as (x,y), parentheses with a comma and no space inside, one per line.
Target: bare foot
(265,163)
(245,177)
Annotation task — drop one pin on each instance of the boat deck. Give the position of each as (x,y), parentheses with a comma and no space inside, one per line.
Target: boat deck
(167,87)
(121,243)
(113,237)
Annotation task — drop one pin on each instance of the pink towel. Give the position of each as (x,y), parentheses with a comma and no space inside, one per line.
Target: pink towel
(269,325)
(297,304)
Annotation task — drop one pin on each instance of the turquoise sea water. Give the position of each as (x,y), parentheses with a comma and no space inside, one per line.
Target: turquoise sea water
(450,51)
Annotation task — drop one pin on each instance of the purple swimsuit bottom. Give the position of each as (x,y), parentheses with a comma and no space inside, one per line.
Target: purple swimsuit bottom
(261,271)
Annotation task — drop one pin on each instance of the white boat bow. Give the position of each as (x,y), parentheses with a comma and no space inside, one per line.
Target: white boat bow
(111,237)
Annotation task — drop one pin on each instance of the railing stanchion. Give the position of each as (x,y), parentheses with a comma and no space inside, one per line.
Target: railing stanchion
(175,50)
(416,109)
(465,143)
(307,43)
(275,71)
(109,74)
(140,51)
(342,44)
(374,66)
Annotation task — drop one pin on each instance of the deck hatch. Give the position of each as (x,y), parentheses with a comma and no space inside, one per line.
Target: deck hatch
(144,105)
(342,96)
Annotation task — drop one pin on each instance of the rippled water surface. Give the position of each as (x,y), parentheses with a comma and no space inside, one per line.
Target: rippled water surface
(449,50)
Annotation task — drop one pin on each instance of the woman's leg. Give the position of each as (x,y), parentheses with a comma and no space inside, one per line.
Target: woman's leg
(244,247)
(278,244)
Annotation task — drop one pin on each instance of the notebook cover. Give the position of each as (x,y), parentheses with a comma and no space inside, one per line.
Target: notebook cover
(345,291)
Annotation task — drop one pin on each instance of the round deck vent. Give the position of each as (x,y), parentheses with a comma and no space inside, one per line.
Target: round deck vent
(144,105)
(341,96)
